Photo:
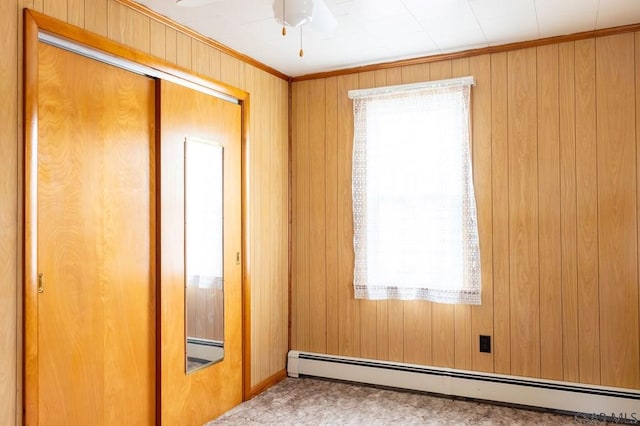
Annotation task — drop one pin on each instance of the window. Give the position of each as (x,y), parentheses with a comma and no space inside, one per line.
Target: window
(415,224)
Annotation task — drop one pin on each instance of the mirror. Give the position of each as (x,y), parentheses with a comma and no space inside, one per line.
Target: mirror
(204,275)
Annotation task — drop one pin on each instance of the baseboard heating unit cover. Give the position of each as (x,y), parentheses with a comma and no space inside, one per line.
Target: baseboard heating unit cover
(549,394)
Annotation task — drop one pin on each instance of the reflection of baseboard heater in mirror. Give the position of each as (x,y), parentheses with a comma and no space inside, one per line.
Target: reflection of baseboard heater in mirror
(204,351)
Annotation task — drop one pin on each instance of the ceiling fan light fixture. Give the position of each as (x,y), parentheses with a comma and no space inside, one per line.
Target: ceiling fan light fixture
(295,13)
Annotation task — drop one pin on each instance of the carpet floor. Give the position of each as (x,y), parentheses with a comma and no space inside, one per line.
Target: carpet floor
(306,401)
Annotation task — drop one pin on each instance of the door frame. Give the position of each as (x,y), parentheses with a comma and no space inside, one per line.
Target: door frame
(39,27)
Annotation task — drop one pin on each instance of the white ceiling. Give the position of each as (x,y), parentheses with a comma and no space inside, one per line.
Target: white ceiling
(373,31)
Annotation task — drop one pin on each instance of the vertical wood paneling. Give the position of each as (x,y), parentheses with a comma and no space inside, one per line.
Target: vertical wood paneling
(258,310)
(283,280)
(200,61)
(75,12)
(120,23)
(231,70)
(295,224)
(183,51)
(587,212)
(214,65)
(348,308)
(462,343)
(368,308)
(331,208)
(157,34)
(549,213)
(500,191)
(109,18)
(258,292)
(56,9)
(9,349)
(171,45)
(481,316)
(617,204)
(317,224)
(395,307)
(566,99)
(141,32)
(96,17)
(302,253)
(523,213)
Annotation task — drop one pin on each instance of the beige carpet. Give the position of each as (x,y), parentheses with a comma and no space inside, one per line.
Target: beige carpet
(306,401)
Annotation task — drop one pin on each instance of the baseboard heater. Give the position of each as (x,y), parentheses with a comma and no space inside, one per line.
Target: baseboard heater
(596,402)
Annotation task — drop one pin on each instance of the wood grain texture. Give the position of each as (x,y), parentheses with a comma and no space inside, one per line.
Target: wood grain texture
(75,12)
(185,398)
(10,351)
(331,208)
(587,212)
(157,34)
(523,213)
(96,17)
(100,19)
(549,211)
(55,9)
(348,307)
(213,44)
(184,55)
(141,32)
(481,316)
(500,191)
(96,255)
(30,244)
(317,219)
(539,175)
(617,204)
(568,207)
(533,122)
(295,167)
(302,254)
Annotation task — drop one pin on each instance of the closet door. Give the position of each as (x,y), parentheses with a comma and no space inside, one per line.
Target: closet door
(187,114)
(96,242)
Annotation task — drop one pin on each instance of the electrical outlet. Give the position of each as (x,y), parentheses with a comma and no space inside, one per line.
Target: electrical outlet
(485,344)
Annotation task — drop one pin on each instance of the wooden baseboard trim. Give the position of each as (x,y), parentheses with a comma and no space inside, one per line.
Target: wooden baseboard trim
(268,382)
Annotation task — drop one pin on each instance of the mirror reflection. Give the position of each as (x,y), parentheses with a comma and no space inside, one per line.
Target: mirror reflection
(204,289)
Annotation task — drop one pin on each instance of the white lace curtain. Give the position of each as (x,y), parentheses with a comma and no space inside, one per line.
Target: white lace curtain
(414,209)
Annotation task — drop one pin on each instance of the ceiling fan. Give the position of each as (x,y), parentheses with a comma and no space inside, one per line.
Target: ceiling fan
(296,13)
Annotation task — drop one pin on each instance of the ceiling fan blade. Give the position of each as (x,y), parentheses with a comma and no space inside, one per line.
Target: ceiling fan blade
(323,19)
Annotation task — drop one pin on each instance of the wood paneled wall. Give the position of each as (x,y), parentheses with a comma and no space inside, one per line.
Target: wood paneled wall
(268,171)
(557,174)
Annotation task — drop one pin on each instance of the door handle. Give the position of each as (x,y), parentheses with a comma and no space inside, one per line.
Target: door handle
(40,283)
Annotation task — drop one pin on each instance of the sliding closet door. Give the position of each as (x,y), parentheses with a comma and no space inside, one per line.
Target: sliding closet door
(96,243)
(191,117)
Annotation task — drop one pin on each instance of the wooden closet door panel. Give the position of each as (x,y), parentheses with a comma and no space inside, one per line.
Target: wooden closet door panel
(96,245)
(204,394)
